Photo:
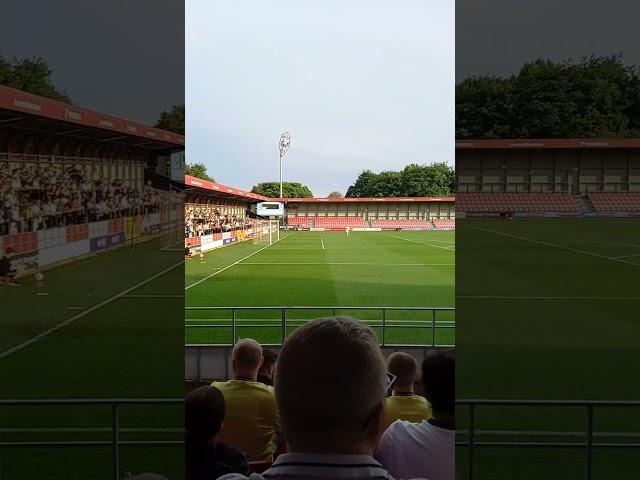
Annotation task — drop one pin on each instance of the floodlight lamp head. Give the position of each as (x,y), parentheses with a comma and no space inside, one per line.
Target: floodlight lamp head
(285,141)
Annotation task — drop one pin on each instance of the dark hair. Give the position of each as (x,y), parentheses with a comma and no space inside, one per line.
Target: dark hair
(204,411)
(439,379)
(270,358)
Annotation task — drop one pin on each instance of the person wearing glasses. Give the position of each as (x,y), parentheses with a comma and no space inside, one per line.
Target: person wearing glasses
(426,449)
(330,385)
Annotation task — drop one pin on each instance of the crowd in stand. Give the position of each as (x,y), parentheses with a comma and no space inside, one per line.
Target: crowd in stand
(38,196)
(208,219)
(336,410)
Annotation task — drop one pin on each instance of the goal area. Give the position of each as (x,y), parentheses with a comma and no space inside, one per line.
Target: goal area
(266,232)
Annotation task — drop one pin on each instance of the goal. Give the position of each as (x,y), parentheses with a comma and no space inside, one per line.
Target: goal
(266,232)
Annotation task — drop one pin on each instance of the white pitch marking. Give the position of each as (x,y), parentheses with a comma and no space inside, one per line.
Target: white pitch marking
(561,247)
(158,295)
(514,297)
(322,242)
(233,264)
(355,263)
(421,243)
(627,256)
(97,306)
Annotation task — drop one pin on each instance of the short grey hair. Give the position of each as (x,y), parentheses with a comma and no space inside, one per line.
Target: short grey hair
(330,376)
(247,353)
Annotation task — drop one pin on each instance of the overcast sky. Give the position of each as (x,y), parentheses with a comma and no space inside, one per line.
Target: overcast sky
(121,57)
(358,84)
(497,36)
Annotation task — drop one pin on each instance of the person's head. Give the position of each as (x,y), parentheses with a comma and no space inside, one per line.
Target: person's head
(247,358)
(269,363)
(439,379)
(405,368)
(204,412)
(330,387)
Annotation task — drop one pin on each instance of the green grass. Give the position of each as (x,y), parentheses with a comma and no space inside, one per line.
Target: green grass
(325,269)
(546,311)
(130,347)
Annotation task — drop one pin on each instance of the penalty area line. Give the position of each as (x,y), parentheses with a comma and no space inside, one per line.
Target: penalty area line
(86,312)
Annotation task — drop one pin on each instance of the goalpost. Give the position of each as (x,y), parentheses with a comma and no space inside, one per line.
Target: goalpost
(266,232)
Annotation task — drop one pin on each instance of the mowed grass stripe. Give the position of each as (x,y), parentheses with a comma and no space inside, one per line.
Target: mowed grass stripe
(364,269)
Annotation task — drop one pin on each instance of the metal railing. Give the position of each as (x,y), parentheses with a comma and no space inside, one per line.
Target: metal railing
(284,321)
(114,443)
(588,445)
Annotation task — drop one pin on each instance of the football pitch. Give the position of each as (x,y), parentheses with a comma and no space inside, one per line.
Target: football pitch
(401,283)
(103,327)
(549,309)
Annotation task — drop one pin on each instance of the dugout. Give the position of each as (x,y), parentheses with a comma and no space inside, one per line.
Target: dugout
(570,166)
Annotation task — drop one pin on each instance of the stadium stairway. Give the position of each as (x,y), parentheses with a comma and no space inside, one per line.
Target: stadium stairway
(585,205)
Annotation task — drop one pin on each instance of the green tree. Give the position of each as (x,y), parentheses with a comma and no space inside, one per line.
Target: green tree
(596,97)
(362,186)
(172,120)
(31,75)
(335,194)
(198,170)
(289,190)
(435,180)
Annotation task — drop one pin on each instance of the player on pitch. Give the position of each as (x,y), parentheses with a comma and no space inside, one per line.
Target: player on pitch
(347,229)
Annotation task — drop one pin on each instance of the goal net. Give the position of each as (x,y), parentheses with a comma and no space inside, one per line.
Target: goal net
(266,232)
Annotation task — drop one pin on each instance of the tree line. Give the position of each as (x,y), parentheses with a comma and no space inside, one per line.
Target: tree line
(595,97)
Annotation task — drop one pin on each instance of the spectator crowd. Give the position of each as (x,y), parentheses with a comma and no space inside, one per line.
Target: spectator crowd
(38,196)
(208,219)
(336,410)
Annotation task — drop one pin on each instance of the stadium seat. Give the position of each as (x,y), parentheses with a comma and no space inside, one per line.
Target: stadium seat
(339,222)
(299,221)
(615,202)
(445,224)
(405,224)
(517,202)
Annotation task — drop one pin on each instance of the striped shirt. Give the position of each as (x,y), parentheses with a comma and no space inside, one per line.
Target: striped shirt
(291,466)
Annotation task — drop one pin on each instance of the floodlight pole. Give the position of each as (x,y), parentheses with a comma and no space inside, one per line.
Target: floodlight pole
(283,145)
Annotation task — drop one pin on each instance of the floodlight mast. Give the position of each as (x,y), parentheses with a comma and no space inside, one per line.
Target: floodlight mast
(285,141)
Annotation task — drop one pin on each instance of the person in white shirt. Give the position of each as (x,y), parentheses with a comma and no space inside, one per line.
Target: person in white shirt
(426,449)
(330,385)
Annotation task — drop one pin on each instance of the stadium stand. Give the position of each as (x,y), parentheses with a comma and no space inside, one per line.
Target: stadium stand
(39,196)
(402,224)
(301,222)
(517,202)
(203,219)
(339,222)
(615,202)
(445,224)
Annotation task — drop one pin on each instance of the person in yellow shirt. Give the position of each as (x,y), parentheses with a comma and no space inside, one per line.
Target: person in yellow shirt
(252,421)
(404,404)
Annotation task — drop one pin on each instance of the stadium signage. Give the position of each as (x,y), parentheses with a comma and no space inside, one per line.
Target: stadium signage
(72,114)
(27,105)
(17,100)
